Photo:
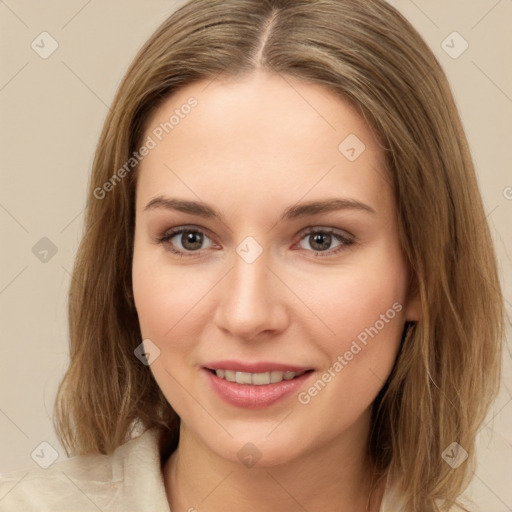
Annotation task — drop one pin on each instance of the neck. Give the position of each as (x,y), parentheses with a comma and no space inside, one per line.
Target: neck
(334,478)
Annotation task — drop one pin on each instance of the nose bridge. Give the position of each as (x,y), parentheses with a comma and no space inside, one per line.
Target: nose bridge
(250,275)
(250,302)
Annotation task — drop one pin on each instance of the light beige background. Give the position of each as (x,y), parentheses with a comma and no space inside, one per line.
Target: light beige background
(52,111)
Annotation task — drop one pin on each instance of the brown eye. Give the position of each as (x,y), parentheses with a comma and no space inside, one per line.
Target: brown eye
(185,241)
(191,240)
(321,241)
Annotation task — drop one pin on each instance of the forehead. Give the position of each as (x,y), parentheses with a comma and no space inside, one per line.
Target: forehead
(262,137)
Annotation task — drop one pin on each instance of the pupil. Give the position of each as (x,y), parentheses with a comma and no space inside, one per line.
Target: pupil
(322,239)
(191,240)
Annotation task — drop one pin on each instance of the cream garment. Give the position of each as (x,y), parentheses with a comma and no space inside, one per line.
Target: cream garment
(129,480)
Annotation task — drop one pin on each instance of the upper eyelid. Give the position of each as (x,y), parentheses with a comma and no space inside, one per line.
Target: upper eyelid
(172,232)
(338,231)
(191,227)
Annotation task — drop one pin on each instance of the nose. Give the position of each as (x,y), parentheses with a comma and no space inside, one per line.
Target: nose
(252,300)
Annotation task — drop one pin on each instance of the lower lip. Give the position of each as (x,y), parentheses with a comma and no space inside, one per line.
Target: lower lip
(249,396)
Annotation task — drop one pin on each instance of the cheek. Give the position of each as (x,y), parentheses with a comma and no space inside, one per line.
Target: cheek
(164,295)
(372,307)
(364,308)
(358,361)
(165,298)
(149,297)
(352,301)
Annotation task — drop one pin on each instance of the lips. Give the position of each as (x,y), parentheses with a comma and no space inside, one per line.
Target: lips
(254,385)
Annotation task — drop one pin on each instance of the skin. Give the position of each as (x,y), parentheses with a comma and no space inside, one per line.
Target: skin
(252,147)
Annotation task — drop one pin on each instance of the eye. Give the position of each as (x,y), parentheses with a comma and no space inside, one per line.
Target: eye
(189,241)
(185,241)
(321,240)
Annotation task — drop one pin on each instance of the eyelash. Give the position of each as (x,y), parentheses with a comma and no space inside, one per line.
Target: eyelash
(168,235)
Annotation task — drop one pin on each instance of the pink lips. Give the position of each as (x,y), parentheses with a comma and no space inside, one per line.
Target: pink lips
(251,396)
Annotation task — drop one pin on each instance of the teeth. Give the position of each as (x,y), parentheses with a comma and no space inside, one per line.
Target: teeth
(256,379)
(229,375)
(276,377)
(260,379)
(243,378)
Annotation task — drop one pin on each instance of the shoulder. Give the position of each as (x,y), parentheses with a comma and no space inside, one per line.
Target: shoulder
(120,481)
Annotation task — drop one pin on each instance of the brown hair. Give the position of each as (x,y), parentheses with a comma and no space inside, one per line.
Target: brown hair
(448,368)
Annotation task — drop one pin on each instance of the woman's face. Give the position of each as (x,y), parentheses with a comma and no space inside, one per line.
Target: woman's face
(267,242)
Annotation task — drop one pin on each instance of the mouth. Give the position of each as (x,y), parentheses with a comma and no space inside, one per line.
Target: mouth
(256,379)
(255,385)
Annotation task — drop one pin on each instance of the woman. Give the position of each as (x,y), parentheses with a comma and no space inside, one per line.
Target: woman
(286,280)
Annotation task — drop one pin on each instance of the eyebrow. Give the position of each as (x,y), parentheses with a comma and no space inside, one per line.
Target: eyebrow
(293,212)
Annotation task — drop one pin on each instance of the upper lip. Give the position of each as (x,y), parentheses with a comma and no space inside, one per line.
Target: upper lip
(255,367)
